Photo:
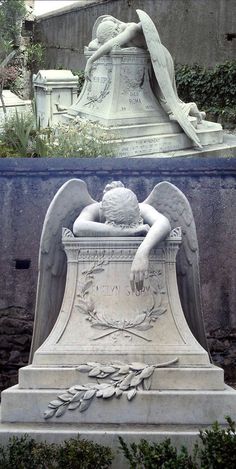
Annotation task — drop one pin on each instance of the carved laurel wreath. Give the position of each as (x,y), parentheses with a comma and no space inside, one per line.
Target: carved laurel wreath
(142,322)
(122,377)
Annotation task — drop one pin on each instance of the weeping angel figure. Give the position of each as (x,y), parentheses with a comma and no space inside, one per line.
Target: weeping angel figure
(109,33)
(118,214)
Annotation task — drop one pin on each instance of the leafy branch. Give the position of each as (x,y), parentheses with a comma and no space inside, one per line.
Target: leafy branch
(122,377)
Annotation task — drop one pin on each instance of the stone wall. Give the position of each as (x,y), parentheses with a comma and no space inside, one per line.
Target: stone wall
(195,31)
(28,185)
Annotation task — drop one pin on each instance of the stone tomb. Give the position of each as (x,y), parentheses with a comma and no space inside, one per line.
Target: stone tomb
(109,342)
(54,91)
(119,96)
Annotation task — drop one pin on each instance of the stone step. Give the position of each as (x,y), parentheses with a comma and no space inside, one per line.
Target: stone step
(147,407)
(211,378)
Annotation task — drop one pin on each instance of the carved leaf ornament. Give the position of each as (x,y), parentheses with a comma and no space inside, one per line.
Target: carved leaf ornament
(121,378)
(142,322)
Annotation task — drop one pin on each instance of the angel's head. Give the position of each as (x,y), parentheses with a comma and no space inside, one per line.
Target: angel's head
(108,28)
(120,206)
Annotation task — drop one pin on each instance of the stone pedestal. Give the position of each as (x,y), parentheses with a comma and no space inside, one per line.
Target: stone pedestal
(55,91)
(119,96)
(110,342)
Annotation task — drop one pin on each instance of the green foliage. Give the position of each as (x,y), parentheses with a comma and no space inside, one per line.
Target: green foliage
(218,448)
(26,453)
(17,131)
(82,454)
(214,90)
(81,78)
(145,455)
(80,138)
(35,54)
(22,136)
(11,15)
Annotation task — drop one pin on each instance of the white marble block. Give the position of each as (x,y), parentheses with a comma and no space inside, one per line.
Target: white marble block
(55,91)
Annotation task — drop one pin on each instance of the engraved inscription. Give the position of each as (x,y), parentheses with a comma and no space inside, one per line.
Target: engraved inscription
(93,295)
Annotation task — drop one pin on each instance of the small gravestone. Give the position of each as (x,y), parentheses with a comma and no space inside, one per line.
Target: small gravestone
(55,91)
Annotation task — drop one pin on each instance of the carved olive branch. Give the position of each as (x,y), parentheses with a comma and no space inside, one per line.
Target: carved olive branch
(122,377)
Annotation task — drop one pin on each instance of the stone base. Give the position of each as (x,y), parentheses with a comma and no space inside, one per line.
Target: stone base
(147,408)
(188,408)
(103,434)
(162,138)
(186,378)
(226,149)
(209,133)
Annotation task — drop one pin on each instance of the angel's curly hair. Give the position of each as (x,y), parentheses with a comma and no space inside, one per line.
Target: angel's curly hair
(120,207)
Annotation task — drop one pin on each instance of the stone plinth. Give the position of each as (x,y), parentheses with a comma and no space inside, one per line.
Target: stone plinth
(119,96)
(101,318)
(104,326)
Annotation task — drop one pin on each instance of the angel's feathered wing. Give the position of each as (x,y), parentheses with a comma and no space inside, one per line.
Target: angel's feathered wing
(160,69)
(171,202)
(67,204)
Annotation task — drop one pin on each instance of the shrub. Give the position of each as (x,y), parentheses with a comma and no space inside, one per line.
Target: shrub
(213,90)
(26,453)
(80,138)
(82,454)
(23,137)
(145,455)
(218,448)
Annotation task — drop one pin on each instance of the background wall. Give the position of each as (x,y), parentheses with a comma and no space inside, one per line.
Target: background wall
(27,187)
(195,31)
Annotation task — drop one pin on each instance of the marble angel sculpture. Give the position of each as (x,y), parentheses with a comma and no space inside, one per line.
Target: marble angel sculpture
(110,33)
(118,214)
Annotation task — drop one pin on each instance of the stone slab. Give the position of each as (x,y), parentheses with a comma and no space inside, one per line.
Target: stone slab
(13,103)
(227,149)
(209,133)
(147,408)
(211,378)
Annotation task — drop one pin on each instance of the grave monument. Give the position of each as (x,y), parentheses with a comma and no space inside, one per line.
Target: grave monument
(115,351)
(130,88)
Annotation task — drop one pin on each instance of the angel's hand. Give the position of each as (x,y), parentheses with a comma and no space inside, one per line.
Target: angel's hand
(139,271)
(141,230)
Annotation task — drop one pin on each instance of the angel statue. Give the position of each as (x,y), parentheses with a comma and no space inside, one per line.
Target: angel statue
(118,214)
(109,33)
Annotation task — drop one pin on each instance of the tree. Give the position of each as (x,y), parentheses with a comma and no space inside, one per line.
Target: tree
(12,13)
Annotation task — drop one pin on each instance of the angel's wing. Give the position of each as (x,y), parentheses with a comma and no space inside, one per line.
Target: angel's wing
(160,69)
(68,202)
(171,202)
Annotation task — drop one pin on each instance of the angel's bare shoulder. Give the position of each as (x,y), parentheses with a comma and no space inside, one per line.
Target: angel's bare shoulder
(91,212)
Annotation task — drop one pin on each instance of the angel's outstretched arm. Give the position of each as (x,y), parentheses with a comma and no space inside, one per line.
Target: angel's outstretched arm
(129,33)
(160,228)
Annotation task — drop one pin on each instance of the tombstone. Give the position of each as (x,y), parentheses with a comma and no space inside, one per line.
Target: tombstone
(55,91)
(130,89)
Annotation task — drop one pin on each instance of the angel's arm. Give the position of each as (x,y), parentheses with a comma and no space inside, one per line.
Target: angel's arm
(88,224)
(131,30)
(160,228)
